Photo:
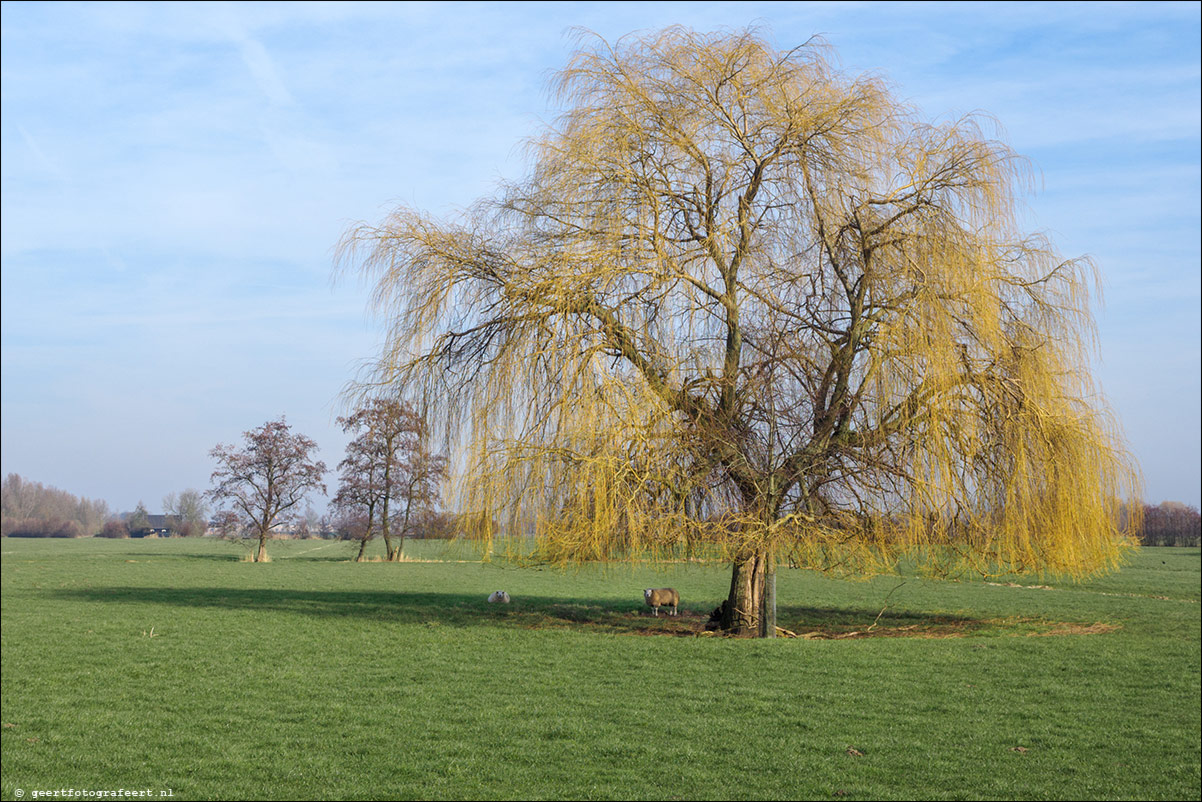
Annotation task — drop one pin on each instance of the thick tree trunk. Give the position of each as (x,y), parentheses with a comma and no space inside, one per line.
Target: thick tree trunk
(768,618)
(745,603)
(362,547)
(261,556)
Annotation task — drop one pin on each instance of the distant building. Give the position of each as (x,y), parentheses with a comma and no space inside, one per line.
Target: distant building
(157,526)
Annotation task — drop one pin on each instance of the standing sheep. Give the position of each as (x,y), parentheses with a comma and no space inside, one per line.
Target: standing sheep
(657,597)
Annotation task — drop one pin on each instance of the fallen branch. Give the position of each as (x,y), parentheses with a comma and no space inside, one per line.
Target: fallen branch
(883,609)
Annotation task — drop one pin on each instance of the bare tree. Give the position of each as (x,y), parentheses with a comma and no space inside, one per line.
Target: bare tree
(388,464)
(348,523)
(23,502)
(20,498)
(138,521)
(114,529)
(747,303)
(266,479)
(360,487)
(1170,523)
(422,474)
(188,510)
(309,523)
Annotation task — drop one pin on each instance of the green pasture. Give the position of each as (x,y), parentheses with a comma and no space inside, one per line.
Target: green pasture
(172,666)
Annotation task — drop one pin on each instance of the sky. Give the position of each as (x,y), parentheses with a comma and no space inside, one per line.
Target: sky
(174,178)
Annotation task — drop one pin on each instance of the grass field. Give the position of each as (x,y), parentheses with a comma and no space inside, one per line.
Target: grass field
(171,667)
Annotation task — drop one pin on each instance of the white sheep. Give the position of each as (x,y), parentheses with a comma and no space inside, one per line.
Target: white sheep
(499,596)
(657,597)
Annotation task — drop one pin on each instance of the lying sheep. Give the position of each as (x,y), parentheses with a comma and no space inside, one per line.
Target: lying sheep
(657,597)
(499,596)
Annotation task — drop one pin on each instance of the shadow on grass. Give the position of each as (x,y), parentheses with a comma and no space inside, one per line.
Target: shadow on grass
(239,555)
(584,615)
(158,556)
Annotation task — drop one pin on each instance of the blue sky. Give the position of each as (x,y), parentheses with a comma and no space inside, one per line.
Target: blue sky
(174,178)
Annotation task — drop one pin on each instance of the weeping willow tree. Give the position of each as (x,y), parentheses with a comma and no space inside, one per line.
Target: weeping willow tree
(747,305)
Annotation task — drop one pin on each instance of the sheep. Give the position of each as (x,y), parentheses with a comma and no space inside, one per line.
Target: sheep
(657,597)
(499,596)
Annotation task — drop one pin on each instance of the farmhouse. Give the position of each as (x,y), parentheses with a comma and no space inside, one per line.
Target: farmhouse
(157,526)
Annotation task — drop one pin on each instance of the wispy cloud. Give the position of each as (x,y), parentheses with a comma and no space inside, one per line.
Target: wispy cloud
(263,70)
(56,171)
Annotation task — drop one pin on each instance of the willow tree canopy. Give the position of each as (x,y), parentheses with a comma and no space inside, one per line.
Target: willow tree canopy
(747,302)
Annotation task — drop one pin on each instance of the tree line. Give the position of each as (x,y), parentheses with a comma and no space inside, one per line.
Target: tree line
(32,509)
(1170,523)
(390,488)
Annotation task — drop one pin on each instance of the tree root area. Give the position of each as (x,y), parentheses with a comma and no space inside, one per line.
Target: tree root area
(808,624)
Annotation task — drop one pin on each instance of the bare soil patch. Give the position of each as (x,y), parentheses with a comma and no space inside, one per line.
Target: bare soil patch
(812,624)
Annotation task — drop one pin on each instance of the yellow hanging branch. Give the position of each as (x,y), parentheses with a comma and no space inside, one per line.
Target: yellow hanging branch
(748,304)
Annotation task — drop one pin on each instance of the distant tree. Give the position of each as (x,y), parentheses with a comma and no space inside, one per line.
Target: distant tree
(388,465)
(436,525)
(308,523)
(19,497)
(22,500)
(189,512)
(114,529)
(1171,523)
(350,524)
(138,521)
(265,480)
(227,525)
(44,527)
